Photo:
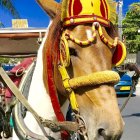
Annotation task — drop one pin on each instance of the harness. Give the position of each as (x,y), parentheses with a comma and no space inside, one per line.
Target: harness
(81,12)
(69,84)
(93,79)
(75,14)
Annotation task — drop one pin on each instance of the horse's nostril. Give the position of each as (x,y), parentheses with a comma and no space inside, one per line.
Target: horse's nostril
(111,136)
(101,132)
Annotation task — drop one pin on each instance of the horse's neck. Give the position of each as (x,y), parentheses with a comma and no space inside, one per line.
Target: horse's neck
(38,97)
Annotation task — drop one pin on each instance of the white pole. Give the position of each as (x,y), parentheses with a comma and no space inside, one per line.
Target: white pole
(120,4)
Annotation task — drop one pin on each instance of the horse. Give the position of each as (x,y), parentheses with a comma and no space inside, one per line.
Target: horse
(75,62)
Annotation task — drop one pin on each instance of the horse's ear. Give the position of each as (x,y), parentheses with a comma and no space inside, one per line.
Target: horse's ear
(50,6)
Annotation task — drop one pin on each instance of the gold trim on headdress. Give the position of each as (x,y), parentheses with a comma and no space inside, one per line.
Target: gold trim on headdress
(81,11)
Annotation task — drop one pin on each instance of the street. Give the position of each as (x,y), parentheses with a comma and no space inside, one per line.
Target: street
(131,116)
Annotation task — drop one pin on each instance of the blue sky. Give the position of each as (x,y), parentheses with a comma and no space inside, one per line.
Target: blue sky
(29,9)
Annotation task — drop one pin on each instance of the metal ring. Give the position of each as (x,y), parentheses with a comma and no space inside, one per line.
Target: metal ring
(18,74)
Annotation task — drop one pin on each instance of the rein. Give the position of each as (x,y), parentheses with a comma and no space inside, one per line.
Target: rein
(54,126)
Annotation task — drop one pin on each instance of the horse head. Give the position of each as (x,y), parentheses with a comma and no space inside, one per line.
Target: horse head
(84,48)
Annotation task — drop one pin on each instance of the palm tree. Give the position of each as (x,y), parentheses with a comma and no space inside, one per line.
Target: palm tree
(1,25)
(8,5)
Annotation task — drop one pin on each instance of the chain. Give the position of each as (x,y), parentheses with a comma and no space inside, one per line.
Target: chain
(80,120)
(74,136)
(2,95)
(4,118)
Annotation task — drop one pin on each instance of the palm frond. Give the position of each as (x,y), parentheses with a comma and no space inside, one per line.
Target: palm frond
(1,25)
(8,5)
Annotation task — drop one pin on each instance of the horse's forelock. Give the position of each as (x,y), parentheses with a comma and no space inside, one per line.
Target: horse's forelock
(112,31)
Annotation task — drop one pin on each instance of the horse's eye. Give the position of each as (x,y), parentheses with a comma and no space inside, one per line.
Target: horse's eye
(73,51)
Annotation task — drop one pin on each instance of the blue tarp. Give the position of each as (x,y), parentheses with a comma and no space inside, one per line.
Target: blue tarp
(7,67)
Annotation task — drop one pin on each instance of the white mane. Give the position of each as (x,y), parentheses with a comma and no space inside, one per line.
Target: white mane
(39,99)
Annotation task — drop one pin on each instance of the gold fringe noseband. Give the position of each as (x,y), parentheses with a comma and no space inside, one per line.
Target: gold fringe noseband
(93,79)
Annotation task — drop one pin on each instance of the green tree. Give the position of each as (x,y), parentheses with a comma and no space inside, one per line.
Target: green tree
(131,24)
(1,25)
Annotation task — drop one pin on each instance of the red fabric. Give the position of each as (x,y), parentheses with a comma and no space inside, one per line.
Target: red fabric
(24,65)
(117,54)
(77,7)
(52,90)
(104,9)
(70,10)
(50,56)
(50,60)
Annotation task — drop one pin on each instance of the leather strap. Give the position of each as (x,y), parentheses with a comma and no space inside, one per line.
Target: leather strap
(54,126)
(21,98)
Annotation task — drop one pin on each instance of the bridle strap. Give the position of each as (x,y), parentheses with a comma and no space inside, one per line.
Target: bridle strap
(80,42)
(95,26)
(21,98)
(64,48)
(103,38)
(65,79)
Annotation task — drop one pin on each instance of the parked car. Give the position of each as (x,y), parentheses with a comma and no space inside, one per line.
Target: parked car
(127,82)
(124,86)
